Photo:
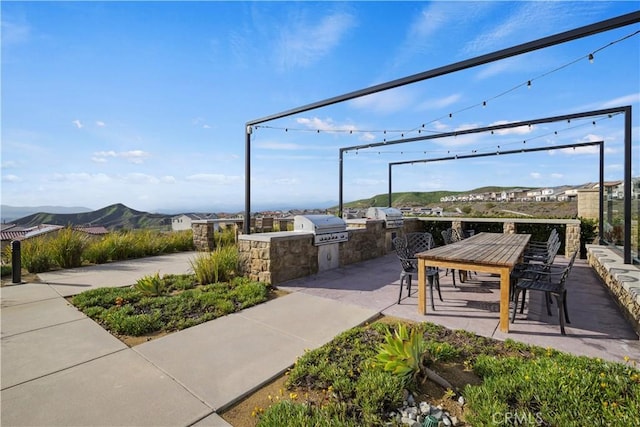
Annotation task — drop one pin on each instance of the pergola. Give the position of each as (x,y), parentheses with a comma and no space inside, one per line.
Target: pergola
(581,32)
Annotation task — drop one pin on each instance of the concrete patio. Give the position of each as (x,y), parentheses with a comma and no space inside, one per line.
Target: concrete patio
(60,368)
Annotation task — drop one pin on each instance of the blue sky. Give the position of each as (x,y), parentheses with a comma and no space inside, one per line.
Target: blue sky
(145,103)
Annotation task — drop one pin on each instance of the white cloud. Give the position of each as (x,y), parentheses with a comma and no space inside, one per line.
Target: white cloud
(438,103)
(168,179)
(78,124)
(304,42)
(14,32)
(11,178)
(633,98)
(133,156)
(557,175)
(9,164)
(535,175)
(326,125)
(368,182)
(386,102)
(75,177)
(215,178)
(519,130)
(140,178)
(273,145)
(100,123)
(286,181)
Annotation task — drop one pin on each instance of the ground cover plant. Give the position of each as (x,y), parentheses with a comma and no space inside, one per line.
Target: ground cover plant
(166,304)
(157,305)
(348,382)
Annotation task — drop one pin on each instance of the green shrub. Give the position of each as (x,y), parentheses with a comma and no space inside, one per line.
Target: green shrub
(67,247)
(36,255)
(104,297)
(7,270)
(376,393)
(219,265)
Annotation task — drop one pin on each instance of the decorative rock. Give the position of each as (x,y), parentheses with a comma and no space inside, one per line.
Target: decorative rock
(446,421)
(461,400)
(437,413)
(425,408)
(407,421)
(454,421)
(412,412)
(410,400)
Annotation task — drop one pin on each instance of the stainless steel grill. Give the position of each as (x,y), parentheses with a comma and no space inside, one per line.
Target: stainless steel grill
(326,229)
(392,217)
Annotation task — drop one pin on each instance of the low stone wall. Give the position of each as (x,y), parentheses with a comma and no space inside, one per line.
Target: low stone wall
(623,280)
(510,226)
(281,256)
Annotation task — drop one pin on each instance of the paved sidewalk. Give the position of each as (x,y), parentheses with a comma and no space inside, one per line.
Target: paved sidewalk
(59,368)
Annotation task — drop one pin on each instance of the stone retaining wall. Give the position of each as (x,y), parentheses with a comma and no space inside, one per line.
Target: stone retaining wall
(623,280)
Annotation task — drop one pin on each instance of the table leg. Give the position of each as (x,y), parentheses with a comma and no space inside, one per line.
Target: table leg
(505,274)
(422,293)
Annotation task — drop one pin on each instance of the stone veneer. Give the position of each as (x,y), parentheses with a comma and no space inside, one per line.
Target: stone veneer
(203,234)
(623,280)
(282,256)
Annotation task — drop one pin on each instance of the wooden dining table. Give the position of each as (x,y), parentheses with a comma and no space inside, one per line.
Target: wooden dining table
(484,252)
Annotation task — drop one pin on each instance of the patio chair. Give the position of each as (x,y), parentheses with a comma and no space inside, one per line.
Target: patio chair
(529,268)
(538,251)
(419,242)
(410,268)
(552,283)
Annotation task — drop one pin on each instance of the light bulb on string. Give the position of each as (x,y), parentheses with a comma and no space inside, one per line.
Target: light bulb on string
(591,58)
(529,84)
(484,104)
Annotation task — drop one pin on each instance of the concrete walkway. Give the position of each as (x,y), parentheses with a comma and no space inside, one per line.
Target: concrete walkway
(59,368)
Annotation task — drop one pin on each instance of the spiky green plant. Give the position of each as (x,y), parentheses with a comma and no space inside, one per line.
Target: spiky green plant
(67,247)
(402,353)
(151,285)
(219,265)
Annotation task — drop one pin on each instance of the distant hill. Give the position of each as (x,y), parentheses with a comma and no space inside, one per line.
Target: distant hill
(114,217)
(9,213)
(415,198)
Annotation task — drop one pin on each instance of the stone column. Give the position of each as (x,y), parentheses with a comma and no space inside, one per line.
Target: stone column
(572,239)
(509,227)
(203,237)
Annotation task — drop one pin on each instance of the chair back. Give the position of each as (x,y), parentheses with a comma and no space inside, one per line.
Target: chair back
(419,242)
(404,255)
(567,270)
(446,236)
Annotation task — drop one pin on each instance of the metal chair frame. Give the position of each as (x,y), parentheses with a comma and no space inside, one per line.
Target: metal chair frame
(409,263)
(552,283)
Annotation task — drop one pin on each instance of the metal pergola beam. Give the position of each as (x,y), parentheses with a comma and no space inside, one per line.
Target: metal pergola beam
(472,156)
(607,111)
(559,38)
(520,151)
(626,110)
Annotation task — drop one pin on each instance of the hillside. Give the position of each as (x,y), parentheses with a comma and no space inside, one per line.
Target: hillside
(114,217)
(415,198)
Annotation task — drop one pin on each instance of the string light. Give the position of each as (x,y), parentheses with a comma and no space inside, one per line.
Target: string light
(528,84)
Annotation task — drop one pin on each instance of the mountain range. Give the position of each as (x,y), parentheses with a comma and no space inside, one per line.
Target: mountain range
(114,217)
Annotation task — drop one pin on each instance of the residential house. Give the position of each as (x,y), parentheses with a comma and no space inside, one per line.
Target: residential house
(183,221)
